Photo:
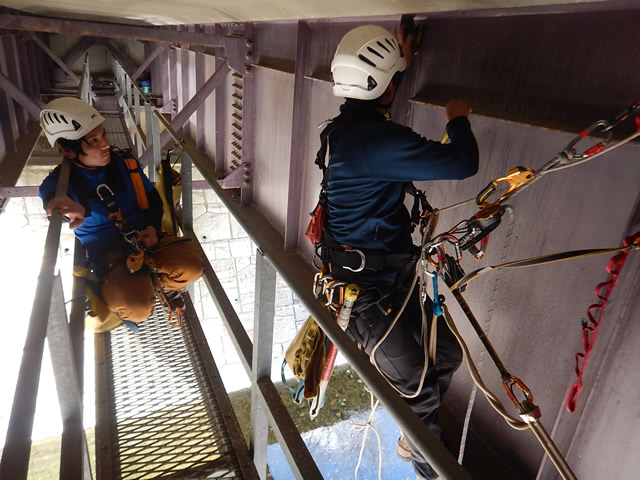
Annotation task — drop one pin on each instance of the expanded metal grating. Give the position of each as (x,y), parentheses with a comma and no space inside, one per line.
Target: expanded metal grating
(164,419)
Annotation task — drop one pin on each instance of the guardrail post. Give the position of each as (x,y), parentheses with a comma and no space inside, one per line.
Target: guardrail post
(264,312)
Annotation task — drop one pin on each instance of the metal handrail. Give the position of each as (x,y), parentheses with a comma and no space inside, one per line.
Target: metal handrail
(15,457)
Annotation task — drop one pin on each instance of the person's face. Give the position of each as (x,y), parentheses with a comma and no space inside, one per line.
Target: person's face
(96,148)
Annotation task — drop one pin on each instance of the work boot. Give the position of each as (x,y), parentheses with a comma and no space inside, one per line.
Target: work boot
(402,449)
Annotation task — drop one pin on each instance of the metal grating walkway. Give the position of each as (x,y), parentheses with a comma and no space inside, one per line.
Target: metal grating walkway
(162,416)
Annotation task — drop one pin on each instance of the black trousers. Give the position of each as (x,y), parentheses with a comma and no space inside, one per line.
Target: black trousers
(401,357)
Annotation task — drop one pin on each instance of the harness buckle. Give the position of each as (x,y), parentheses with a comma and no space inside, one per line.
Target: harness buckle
(362,260)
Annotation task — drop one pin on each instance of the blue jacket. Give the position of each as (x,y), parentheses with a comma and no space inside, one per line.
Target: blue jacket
(369,165)
(98,233)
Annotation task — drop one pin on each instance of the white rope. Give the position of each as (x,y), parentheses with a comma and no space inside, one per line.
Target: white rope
(366,426)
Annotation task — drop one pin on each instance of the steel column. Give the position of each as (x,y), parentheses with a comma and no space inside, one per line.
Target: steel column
(221,113)
(248,114)
(200,113)
(55,58)
(264,312)
(299,137)
(15,457)
(184,67)
(187,192)
(13,72)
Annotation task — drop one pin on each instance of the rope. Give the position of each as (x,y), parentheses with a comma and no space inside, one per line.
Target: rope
(487,326)
(366,426)
(477,379)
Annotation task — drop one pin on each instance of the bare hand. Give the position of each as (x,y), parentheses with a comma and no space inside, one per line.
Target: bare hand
(456,108)
(405,41)
(148,237)
(67,207)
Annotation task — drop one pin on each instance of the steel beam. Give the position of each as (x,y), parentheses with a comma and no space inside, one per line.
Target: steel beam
(55,58)
(150,58)
(19,192)
(200,113)
(263,316)
(299,137)
(15,456)
(185,74)
(181,118)
(248,109)
(109,30)
(76,52)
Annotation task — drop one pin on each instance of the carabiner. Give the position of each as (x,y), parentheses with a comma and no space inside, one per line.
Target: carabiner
(516,177)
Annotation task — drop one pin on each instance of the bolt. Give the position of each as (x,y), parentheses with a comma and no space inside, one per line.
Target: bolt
(246,184)
(249,55)
(247,71)
(248,43)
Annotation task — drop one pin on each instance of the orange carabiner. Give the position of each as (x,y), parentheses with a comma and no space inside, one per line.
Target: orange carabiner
(178,324)
(516,177)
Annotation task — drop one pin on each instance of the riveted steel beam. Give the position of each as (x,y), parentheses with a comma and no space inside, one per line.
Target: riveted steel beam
(55,58)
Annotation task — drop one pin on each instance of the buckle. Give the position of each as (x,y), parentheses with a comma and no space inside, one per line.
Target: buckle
(362,260)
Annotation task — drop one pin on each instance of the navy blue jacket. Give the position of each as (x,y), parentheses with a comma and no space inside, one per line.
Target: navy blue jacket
(98,233)
(369,165)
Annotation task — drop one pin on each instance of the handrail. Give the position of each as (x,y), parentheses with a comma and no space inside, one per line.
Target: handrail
(15,457)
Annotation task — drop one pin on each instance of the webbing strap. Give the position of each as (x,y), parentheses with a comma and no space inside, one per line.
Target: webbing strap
(541,260)
(589,330)
(138,185)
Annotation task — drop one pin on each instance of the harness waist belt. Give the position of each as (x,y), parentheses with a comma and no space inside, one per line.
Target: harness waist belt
(357,260)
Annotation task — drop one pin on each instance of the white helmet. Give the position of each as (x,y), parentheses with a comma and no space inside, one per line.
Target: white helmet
(366,60)
(68,117)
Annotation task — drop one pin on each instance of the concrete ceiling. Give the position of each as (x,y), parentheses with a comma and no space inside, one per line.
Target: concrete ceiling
(168,12)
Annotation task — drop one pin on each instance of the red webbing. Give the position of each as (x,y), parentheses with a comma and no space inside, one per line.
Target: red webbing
(590,330)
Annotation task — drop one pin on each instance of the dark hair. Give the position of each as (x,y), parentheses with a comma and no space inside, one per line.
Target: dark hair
(74,146)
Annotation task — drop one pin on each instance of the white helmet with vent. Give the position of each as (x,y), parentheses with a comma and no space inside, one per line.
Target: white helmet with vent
(68,117)
(366,60)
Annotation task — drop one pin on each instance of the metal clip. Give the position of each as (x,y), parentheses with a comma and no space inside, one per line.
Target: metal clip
(516,177)
(362,260)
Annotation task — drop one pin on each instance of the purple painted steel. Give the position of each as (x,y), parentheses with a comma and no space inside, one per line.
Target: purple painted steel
(108,30)
(299,137)
(14,74)
(173,80)
(200,113)
(125,61)
(8,137)
(248,115)
(185,71)
(76,52)
(150,58)
(55,58)
(32,106)
(181,118)
(221,114)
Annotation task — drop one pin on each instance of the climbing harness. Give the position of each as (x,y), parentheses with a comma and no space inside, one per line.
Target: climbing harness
(139,257)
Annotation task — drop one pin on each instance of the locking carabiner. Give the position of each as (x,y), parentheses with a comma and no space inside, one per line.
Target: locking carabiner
(516,177)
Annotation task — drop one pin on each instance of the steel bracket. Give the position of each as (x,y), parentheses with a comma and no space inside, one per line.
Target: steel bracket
(240,177)
(237,48)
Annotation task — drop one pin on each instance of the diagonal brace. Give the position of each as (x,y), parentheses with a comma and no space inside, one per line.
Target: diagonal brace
(76,52)
(55,58)
(33,106)
(196,101)
(152,56)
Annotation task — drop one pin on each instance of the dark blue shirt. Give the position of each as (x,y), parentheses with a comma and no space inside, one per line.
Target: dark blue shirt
(369,165)
(99,233)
